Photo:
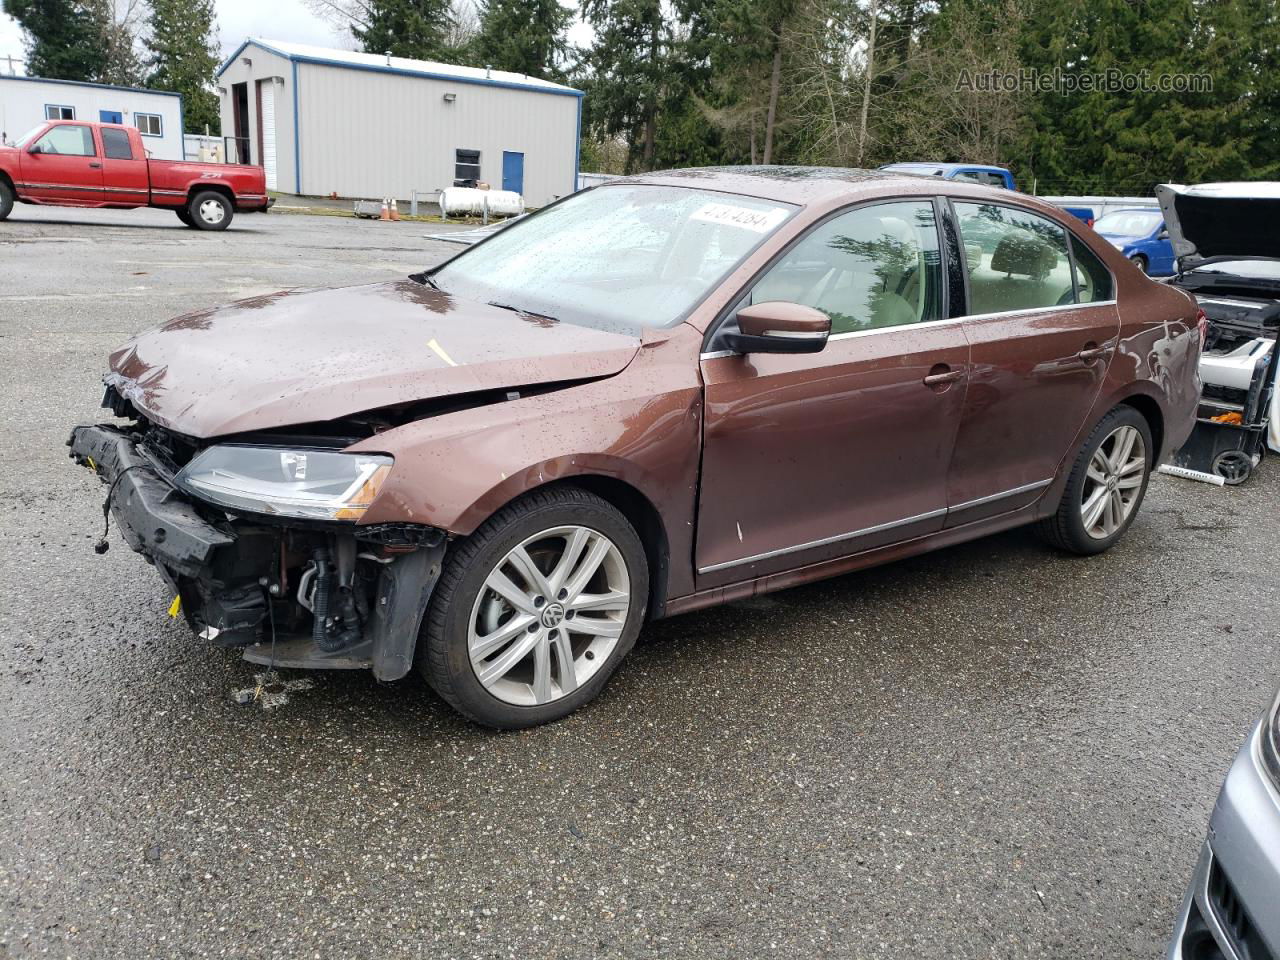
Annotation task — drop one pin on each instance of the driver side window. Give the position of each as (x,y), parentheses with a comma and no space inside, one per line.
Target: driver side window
(68,140)
(872,267)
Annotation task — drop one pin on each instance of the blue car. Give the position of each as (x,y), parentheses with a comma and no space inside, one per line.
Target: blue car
(988,176)
(1141,236)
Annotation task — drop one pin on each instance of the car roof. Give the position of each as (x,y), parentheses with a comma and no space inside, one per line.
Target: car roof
(945,167)
(814,185)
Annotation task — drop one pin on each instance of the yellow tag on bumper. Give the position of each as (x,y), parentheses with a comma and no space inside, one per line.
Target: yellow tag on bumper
(175,608)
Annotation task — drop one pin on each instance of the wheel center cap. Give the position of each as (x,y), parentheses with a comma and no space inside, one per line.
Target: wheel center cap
(552,615)
(1112,483)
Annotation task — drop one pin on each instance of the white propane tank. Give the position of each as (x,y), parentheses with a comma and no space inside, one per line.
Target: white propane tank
(469,200)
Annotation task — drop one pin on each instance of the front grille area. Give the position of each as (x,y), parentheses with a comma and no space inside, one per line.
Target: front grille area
(1231,915)
(171,450)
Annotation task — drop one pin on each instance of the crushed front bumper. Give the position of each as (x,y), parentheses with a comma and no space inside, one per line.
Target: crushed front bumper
(252,582)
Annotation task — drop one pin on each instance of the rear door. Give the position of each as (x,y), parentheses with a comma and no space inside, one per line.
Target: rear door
(124,169)
(63,165)
(810,457)
(1042,329)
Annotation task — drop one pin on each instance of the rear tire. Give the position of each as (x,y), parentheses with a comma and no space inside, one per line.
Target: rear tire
(210,210)
(185,216)
(545,642)
(6,200)
(1106,485)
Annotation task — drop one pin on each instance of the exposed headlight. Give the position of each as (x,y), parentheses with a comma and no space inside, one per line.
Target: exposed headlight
(309,484)
(1271,742)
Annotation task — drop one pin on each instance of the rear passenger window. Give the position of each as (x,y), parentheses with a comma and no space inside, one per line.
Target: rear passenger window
(1093,279)
(873,267)
(1016,260)
(115,144)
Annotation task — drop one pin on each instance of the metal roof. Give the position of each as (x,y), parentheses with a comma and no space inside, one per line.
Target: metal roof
(380,63)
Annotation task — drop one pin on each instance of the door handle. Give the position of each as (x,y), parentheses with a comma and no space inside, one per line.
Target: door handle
(938,379)
(1089,354)
(95,166)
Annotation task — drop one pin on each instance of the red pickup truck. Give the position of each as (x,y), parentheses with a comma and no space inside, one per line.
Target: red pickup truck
(72,164)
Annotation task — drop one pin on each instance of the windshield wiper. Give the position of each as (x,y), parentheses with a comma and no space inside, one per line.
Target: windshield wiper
(426,279)
(527,313)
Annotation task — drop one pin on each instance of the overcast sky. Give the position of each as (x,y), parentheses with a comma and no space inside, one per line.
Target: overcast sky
(237,19)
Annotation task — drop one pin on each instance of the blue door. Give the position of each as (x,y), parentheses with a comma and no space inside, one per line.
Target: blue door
(513,171)
(110,116)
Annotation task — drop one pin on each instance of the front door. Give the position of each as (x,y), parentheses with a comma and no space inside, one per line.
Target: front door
(513,171)
(1043,329)
(110,116)
(63,165)
(809,457)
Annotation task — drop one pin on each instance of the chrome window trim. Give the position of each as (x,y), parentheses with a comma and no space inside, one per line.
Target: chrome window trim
(783,551)
(716,354)
(991,498)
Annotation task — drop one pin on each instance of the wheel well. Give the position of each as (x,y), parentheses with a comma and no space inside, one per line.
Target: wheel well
(1150,411)
(211,187)
(642,515)
(5,179)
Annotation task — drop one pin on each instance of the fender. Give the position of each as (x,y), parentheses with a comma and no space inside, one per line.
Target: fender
(642,426)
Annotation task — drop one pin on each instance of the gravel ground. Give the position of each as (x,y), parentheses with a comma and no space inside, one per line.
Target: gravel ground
(991,751)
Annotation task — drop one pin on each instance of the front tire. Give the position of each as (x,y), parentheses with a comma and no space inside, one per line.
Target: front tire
(6,200)
(1139,261)
(1105,487)
(535,610)
(210,210)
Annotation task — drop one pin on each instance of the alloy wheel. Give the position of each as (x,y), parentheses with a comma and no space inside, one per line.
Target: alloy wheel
(212,212)
(1113,482)
(549,615)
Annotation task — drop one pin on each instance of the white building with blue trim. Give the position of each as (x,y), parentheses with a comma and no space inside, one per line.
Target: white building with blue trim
(26,102)
(363,125)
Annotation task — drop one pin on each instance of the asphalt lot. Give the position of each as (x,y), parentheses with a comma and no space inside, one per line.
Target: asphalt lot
(991,751)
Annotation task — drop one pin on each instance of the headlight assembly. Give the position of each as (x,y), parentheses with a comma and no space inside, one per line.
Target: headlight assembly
(308,484)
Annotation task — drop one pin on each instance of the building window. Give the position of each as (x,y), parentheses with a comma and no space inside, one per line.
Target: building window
(148,124)
(115,144)
(53,111)
(466,167)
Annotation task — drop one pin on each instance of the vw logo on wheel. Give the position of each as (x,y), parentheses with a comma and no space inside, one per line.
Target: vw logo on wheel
(552,615)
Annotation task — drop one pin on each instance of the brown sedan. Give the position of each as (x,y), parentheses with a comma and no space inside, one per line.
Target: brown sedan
(654,396)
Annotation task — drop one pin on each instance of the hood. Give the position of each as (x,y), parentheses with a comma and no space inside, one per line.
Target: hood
(1221,221)
(308,356)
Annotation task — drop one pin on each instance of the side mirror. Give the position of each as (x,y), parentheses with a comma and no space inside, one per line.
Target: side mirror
(1164,235)
(780,327)
(35,150)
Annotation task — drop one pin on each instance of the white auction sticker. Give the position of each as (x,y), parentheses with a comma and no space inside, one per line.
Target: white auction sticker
(758,221)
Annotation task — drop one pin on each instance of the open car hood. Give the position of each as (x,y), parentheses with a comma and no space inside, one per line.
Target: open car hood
(309,356)
(1221,221)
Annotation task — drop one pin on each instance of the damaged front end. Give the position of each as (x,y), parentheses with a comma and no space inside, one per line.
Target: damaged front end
(294,582)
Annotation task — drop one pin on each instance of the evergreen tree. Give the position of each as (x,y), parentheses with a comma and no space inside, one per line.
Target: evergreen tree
(183,57)
(523,36)
(417,29)
(62,39)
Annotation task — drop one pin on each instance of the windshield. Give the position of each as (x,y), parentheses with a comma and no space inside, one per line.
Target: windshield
(615,257)
(22,140)
(1128,223)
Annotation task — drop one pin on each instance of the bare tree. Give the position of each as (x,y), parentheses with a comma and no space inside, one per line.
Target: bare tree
(942,111)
